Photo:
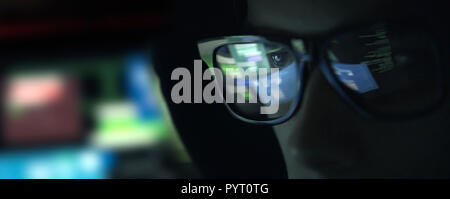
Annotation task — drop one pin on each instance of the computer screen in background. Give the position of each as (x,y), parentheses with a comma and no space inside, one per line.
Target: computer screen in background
(88,116)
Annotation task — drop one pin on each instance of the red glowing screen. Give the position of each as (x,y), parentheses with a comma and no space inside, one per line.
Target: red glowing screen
(41,109)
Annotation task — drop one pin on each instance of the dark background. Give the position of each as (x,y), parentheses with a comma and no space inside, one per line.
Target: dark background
(219,145)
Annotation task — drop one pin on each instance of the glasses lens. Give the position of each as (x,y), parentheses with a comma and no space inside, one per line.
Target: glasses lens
(389,69)
(261,80)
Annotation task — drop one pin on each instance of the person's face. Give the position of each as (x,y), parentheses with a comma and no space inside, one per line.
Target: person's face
(326,137)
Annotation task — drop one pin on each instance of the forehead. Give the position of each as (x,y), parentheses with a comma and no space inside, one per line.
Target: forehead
(306,17)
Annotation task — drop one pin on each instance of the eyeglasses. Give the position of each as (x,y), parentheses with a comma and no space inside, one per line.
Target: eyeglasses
(387,71)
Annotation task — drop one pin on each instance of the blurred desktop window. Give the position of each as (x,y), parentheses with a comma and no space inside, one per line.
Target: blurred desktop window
(62,163)
(41,108)
(137,120)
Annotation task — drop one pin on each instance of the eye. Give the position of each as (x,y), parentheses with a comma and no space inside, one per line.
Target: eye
(279,59)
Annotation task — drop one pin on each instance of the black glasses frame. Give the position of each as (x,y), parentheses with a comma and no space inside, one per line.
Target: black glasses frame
(207,49)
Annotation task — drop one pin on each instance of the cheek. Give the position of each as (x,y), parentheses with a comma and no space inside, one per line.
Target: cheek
(323,115)
(325,127)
